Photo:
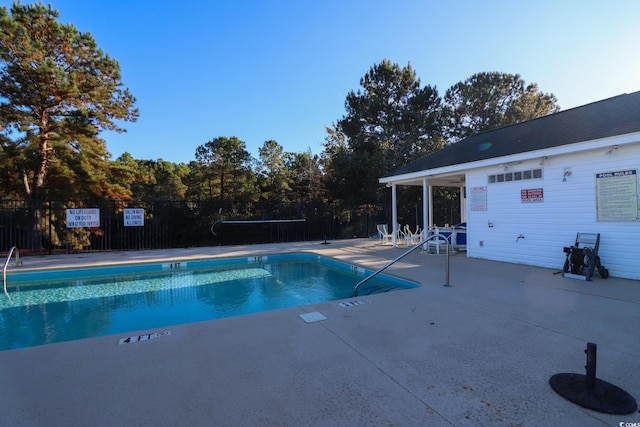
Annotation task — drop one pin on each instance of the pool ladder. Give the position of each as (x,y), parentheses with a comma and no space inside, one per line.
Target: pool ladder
(6,264)
(380,270)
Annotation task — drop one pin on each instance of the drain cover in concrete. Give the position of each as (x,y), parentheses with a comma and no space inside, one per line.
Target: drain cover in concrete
(353,302)
(314,316)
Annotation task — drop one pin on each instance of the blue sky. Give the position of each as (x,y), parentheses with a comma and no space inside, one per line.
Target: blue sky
(282,69)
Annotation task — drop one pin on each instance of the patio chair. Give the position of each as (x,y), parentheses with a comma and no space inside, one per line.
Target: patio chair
(445,235)
(404,235)
(412,238)
(384,234)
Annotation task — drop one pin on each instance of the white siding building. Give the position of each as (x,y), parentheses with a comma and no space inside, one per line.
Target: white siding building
(529,188)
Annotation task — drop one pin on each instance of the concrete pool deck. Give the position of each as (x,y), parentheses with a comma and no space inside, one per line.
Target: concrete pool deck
(480,352)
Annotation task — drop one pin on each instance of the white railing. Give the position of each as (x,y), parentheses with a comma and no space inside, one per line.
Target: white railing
(380,270)
(6,264)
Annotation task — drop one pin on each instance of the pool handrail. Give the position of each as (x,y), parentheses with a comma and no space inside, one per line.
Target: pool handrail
(6,264)
(380,270)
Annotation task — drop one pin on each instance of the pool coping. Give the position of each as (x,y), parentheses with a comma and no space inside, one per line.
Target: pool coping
(477,353)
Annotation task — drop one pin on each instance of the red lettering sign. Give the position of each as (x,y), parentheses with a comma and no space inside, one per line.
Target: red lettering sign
(532,195)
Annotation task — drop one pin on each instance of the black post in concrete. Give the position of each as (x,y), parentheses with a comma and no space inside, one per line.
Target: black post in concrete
(590,380)
(592,393)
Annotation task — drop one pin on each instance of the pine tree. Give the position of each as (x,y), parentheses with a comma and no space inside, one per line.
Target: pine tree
(57,89)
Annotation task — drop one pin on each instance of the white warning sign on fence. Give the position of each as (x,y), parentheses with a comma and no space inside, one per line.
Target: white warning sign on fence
(133,217)
(87,217)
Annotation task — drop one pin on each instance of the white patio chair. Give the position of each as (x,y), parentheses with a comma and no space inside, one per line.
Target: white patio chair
(404,235)
(411,237)
(440,243)
(384,234)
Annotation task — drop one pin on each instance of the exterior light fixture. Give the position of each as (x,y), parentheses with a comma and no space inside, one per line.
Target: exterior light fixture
(611,150)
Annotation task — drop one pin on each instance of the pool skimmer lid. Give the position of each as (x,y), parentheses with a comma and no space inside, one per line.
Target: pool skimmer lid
(314,316)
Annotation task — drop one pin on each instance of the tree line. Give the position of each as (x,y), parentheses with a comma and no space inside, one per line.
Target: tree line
(58,91)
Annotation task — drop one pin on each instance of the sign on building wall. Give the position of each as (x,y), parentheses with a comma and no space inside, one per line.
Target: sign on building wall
(478,199)
(617,196)
(133,217)
(83,218)
(532,195)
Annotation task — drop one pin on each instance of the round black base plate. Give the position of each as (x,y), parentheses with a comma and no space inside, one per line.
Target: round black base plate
(603,397)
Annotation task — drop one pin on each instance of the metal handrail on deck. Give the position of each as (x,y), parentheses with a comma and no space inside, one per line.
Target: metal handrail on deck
(380,270)
(6,264)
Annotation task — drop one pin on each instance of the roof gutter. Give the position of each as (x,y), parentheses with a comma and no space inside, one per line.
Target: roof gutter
(572,148)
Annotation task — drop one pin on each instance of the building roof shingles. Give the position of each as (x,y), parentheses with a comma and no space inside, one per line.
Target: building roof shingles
(610,117)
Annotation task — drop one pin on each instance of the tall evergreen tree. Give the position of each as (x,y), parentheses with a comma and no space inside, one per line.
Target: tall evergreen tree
(225,167)
(390,122)
(276,181)
(307,177)
(57,88)
(490,100)
(151,179)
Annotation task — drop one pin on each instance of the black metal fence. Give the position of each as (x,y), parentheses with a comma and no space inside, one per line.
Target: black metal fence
(106,225)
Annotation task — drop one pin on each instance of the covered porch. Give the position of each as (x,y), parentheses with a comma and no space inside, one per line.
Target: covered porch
(430,224)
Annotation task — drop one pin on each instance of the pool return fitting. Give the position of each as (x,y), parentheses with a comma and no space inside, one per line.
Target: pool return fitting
(380,270)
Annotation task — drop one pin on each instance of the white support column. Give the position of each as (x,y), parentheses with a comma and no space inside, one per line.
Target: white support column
(463,204)
(430,205)
(394,215)
(426,210)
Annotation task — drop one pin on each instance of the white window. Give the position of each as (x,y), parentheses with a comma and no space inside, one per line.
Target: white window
(515,176)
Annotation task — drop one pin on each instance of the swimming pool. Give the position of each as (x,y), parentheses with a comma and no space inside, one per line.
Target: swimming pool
(63,305)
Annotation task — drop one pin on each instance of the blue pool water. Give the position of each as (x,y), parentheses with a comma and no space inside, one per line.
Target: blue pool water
(64,305)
